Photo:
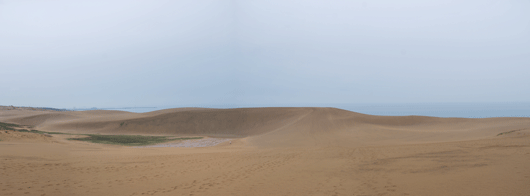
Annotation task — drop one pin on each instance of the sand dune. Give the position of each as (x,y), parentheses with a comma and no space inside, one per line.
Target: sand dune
(277,127)
(274,151)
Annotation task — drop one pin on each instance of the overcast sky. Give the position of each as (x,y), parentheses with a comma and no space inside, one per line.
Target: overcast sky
(115,53)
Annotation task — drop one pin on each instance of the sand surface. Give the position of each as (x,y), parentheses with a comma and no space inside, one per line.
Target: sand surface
(196,143)
(274,151)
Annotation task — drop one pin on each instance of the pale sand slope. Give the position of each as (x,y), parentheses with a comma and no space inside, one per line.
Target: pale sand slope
(277,151)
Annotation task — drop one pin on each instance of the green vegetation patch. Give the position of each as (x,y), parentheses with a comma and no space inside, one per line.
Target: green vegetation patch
(129,140)
(22,130)
(507,132)
(126,140)
(8,126)
(37,131)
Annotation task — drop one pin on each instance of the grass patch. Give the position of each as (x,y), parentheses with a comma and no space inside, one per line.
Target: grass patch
(8,126)
(37,131)
(507,132)
(129,140)
(22,130)
(126,140)
(43,132)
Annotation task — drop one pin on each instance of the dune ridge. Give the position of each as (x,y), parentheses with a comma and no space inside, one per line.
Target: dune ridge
(274,127)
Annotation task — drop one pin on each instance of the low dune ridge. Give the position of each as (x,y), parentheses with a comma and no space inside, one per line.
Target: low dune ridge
(210,122)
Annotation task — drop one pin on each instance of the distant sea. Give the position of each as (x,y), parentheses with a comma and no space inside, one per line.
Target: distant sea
(463,110)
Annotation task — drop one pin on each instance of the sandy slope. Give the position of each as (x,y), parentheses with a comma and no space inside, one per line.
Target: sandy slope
(276,151)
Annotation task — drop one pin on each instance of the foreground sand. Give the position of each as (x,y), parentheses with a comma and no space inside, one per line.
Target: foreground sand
(307,151)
